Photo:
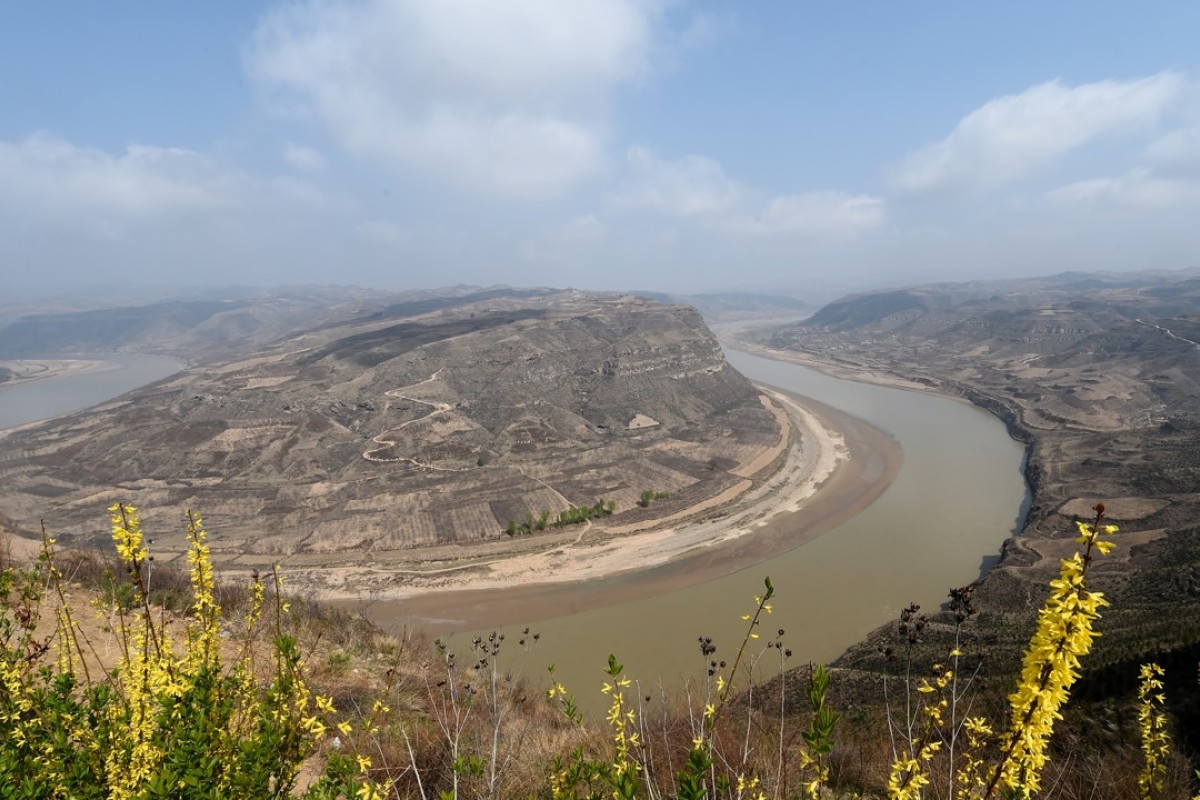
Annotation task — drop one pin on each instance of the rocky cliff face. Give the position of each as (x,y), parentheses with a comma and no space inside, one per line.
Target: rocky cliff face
(411,427)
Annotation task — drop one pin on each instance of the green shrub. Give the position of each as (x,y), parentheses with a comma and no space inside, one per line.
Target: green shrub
(649,496)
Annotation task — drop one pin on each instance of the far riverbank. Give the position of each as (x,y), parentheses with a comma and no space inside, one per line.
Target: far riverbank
(26,370)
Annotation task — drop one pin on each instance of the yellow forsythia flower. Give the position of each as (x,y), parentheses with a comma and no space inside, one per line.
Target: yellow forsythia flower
(1152,725)
(1051,665)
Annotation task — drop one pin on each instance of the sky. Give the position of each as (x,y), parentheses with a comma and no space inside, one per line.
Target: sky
(793,147)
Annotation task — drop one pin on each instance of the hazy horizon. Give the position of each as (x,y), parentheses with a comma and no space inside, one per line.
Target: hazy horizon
(650,145)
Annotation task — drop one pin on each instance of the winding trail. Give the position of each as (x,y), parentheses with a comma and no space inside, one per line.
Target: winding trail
(385,443)
(1168,332)
(438,409)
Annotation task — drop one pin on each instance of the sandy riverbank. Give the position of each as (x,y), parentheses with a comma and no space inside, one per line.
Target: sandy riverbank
(840,466)
(603,550)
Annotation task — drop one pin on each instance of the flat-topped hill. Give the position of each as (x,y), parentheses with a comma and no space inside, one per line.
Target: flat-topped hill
(415,424)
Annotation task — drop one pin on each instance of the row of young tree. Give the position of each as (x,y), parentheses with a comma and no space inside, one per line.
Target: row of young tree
(573,515)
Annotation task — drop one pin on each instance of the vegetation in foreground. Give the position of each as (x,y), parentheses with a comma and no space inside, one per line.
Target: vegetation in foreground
(170,688)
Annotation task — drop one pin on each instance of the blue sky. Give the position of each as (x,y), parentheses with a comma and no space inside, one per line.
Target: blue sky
(610,144)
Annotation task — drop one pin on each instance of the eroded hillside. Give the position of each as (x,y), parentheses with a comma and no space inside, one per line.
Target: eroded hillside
(1100,374)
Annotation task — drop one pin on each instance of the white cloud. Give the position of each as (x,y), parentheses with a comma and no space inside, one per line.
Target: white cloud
(691,186)
(566,244)
(48,183)
(831,215)
(303,157)
(583,229)
(697,188)
(1166,176)
(1178,153)
(1013,136)
(501,98)
(1138,188)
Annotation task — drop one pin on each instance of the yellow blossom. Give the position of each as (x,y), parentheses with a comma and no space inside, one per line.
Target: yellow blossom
(1051,665)
(127,534)
(1152,725)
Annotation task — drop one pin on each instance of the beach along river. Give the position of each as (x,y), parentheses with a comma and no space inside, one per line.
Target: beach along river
(957,495)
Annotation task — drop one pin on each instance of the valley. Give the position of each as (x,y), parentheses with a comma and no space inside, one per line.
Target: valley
(1098,375)
(413,455)
(405,441)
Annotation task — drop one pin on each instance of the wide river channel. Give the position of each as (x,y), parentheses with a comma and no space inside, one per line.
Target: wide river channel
(958,495)
(52,397)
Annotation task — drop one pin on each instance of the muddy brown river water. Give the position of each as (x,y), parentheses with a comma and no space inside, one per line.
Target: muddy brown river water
(957,495)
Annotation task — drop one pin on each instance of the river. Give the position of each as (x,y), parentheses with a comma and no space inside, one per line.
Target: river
(958,495)
(62,394)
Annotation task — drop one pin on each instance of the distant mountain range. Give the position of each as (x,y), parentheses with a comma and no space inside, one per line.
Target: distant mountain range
(211,325)
(733,306)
